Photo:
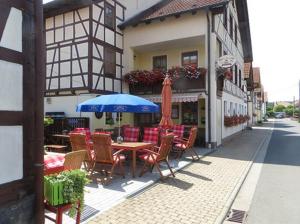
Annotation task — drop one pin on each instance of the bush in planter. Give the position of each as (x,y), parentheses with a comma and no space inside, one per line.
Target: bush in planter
(66,187)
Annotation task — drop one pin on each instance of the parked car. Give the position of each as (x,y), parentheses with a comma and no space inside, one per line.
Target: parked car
(279,115)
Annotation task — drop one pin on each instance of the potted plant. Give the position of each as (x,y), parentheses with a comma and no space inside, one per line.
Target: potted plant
(66,188)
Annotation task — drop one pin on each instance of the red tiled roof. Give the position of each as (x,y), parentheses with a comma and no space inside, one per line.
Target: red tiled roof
(256,75)
(179,6)
(247,70)
(171,7)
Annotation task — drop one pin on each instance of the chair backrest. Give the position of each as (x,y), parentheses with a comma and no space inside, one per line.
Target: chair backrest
(151,135)
(78,141)
(178,130)
(192,137)
(74,160)
(85,131)
(102,148)
(165,146)
(131,134)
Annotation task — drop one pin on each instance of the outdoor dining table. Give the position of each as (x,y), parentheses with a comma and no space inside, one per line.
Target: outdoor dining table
(53,163)
(133,147)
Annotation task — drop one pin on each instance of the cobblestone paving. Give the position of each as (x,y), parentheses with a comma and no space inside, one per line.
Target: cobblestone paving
(197,194)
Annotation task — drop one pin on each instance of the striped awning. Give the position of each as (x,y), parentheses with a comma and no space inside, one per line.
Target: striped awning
(177,97)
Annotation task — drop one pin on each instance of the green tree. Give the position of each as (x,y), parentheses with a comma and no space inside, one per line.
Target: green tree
(279,108)
(289,110)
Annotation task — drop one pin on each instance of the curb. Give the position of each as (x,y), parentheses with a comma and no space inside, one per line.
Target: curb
(221,218)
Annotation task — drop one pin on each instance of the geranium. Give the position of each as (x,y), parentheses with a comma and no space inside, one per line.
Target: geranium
(145,77)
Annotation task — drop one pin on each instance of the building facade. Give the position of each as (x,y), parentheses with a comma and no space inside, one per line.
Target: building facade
(170,34)
(84,54)
(89,54)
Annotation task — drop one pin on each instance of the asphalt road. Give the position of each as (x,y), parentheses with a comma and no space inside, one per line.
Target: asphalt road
(277,195)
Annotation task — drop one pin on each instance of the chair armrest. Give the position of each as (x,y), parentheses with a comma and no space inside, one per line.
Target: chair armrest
(118,152)
(150,151)
(181,140)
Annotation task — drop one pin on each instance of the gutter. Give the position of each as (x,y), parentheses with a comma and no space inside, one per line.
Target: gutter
(208,78)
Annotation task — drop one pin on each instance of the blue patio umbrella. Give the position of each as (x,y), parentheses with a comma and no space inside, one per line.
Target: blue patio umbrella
(118,103)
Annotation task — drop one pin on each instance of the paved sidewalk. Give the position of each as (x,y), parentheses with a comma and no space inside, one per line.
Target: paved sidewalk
(198,194)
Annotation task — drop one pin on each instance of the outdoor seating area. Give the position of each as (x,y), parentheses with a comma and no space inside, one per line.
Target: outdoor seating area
(153,155)
(104,156)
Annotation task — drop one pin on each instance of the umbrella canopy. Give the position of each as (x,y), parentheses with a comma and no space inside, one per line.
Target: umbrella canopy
(118,103)
(166,107)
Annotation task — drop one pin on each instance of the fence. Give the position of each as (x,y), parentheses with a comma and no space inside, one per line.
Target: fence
(68,124)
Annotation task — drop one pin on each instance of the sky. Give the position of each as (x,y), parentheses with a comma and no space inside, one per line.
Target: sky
(275,42)
(276,46)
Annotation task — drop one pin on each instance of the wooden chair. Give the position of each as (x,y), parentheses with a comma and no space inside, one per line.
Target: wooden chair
(187,144)
(78,143)
(151,135)
(104,155)
(74,160)
(59,210)
(153,158)
(131,134)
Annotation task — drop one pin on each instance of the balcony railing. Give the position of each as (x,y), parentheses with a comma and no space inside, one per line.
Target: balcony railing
(180,85)
(233,89)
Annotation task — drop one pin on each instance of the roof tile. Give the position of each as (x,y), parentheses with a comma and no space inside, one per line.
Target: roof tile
(178,6)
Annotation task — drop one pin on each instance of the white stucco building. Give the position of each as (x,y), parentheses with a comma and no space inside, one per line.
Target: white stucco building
(91,45)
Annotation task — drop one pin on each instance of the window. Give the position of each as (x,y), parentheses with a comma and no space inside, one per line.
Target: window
(219,48)
(235,34)
(160,62)
(231,109)
(109,61)
(109,18)
(225,108)
(225,18)
(240,78)
(235,74)
(109,118)
(189,113)
(190,58)
(231,26)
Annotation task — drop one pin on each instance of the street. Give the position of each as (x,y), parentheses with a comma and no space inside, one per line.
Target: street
(277,196)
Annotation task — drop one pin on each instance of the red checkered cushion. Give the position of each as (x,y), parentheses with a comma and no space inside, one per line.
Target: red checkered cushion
(178,130)
(53,163)
(151,135)
(131,134)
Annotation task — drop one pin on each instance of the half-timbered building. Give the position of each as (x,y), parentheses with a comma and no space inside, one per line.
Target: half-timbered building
(84,52)
(21,111)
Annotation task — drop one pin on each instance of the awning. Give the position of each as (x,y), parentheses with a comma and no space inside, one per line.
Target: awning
(177,97)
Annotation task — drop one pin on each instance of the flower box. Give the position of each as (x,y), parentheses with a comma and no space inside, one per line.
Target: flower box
(53,190)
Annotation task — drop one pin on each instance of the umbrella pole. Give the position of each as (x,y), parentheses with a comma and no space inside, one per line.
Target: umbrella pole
(119,124)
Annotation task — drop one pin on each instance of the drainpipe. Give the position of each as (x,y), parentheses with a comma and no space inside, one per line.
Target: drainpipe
(208,77)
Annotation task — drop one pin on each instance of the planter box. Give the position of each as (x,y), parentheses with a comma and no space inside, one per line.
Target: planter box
(53,191)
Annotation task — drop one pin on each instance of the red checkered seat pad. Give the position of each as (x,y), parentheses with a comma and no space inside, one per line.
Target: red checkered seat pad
(131,134)
(178,130)
(53,164)
(151,135)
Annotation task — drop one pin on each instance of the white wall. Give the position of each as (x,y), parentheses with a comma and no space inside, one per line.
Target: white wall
(68,105)
(133,7)
(11,99)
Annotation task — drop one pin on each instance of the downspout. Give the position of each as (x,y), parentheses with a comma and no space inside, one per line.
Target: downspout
(208,77)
